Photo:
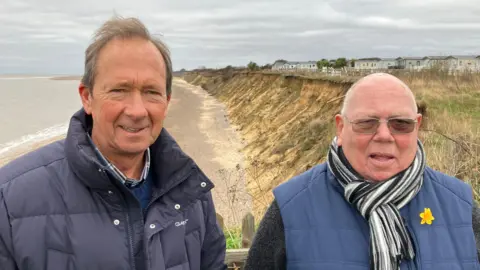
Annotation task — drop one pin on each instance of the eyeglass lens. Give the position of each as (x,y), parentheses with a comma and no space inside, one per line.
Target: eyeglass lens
(395,125)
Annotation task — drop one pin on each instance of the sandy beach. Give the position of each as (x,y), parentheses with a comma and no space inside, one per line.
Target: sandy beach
(199,124)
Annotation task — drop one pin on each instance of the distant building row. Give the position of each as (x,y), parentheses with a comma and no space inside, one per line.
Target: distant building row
(452,62)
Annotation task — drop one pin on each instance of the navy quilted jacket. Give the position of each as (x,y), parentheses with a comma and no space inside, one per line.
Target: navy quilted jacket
(60,210)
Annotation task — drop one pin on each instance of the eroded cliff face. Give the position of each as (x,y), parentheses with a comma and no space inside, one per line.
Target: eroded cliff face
(287,123)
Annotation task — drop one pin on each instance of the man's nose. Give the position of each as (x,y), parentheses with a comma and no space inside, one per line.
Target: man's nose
(383,133)
(135,108)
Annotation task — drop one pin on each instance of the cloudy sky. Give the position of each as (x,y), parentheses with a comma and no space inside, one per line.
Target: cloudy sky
(50,36)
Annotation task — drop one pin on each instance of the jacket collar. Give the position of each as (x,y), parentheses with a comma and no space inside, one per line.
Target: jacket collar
(170,164)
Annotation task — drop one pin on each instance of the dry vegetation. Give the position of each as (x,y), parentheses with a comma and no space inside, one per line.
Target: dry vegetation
(287,122)
(451,133)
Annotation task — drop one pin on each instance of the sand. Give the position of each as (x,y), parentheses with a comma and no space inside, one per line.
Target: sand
(200,125)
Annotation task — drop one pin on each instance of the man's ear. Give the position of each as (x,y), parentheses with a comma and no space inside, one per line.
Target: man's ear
(339,125)
(169,97)
(86,97)
(419,121)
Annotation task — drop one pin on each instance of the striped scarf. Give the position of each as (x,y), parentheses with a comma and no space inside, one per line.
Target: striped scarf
(379,203)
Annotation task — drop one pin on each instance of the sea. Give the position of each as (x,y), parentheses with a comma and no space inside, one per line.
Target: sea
(34,109)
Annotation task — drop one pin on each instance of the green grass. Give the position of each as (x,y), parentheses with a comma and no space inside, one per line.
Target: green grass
(463,106)
(233,238)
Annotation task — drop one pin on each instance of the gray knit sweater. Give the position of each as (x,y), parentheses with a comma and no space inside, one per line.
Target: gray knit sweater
(268,248)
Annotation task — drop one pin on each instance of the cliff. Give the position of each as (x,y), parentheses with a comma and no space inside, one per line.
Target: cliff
(287,122)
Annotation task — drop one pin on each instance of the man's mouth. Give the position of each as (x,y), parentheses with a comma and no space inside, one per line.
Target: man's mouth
(131,129)
(381,156)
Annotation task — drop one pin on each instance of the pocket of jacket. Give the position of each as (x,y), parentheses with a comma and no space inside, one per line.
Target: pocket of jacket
(183,266)
(58,260)
(194,249)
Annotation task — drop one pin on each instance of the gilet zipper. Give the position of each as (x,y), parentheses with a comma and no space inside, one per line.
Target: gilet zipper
(416,259)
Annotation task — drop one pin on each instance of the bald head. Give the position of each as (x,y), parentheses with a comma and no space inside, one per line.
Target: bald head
(377,82)
(378,96)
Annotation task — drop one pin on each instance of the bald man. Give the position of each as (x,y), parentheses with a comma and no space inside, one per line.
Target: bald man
(374,204)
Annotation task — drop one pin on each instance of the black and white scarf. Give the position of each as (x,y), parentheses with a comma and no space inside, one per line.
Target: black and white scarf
(379,203)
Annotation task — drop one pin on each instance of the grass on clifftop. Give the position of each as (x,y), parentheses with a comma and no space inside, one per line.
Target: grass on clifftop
(451,132)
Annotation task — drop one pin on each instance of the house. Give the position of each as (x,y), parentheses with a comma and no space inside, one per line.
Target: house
(286,65)
(278,65)
(310,65)
(440,62)
(387,63)
(464,62)
(416,63)
(367,63)
(454,62)
(376,63)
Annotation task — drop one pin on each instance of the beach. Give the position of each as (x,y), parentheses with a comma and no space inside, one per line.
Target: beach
(36,111)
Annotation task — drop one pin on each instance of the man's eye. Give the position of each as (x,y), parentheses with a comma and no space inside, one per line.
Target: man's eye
(117,90)
(153,92)
(367,122)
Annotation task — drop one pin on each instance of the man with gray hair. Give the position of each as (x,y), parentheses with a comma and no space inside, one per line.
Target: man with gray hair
(117,192)
(374,204)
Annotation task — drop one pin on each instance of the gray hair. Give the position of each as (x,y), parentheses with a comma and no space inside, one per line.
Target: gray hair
(122,28)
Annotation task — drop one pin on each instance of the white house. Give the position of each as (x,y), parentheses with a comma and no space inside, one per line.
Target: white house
(440,62)
(387,63)
(454,62)
(376,63)
(367,63)
(464,62)
(310,65)
(416,63)
(286,65)
(279,65)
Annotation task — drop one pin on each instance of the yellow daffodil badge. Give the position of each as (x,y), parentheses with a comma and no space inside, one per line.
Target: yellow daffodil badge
(427,216)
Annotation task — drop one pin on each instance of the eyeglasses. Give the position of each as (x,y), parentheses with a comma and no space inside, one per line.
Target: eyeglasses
(395,125)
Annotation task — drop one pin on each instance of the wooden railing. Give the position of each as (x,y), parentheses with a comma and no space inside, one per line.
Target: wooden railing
(236,258)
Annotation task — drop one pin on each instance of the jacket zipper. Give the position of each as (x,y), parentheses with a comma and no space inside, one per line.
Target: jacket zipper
(128,225)
(145,214)
(416,259)
(129,232)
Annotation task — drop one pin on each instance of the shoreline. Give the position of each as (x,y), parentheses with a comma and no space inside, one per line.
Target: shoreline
(26,148)
(199,124)
(66,78)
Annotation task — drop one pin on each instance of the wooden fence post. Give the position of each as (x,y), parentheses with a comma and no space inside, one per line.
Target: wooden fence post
(248,230)
(220,221)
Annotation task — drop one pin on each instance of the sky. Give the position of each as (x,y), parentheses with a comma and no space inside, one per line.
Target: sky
(50,36)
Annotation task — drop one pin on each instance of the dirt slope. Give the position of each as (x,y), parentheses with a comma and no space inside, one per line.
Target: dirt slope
(287,122)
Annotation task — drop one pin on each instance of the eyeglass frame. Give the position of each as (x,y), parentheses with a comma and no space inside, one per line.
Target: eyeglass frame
(379,122)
